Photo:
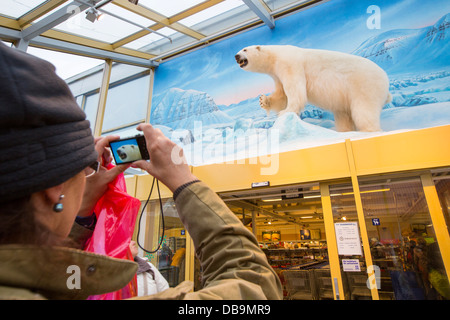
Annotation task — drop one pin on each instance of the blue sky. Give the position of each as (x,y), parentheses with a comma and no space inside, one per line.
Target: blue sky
(336,25)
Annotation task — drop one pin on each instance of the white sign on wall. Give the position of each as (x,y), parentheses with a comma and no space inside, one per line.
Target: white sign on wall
(347,238)
(351,265)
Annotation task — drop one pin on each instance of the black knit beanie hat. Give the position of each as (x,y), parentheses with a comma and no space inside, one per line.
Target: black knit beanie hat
(45,138)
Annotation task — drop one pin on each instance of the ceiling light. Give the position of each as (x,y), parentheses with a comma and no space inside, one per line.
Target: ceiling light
(368,191)
(312,196)
(271,199)
(92,14)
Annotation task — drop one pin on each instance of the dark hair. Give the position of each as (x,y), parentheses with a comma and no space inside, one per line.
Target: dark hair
(20,226)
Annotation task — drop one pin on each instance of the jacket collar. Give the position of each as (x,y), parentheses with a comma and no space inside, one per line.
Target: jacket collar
(53,271)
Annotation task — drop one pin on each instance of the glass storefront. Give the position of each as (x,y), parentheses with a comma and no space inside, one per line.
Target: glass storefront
(403,243)
(386,245)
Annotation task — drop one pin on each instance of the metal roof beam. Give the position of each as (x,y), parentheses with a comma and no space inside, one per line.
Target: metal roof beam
(261,11)
(55,19)
(80,49)
(39,11)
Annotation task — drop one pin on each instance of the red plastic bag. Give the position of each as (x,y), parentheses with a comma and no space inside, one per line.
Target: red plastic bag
(116,213)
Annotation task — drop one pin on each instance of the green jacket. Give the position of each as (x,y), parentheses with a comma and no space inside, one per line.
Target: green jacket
(234,267)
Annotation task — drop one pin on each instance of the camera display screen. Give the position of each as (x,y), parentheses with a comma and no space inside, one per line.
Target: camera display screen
(126,150)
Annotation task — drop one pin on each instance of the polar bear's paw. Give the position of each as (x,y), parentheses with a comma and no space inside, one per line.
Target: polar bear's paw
(264,102)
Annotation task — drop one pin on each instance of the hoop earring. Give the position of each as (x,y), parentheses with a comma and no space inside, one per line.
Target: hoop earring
(58,207)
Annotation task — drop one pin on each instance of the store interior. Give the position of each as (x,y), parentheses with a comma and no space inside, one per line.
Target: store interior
(343,215)
(289,225)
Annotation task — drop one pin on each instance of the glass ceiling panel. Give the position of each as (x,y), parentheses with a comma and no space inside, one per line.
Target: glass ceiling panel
(150,38)
(169,8)
(212,12)
(128,15)
(163,45)
(17,8)
(278,4)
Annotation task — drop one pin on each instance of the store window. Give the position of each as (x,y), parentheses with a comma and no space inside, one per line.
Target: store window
(442,183)
(288,224)
(79,99)
(85,87)
(164,241)
(403,243)
(127,98)
(127,103)
(90,108)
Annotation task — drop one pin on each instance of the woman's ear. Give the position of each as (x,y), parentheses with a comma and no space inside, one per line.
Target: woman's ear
(44,201)
(54,193)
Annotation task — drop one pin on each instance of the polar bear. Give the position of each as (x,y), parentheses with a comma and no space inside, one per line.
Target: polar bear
(355,89)
(129,153)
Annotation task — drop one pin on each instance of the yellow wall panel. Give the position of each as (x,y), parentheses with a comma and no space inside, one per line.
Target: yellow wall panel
(418,149)
(143,186)
(130,182)
(312,164)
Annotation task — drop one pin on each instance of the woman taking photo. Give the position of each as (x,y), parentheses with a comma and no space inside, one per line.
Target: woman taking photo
(51,175)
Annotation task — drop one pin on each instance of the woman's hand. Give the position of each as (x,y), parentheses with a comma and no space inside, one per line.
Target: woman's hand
(167,162)
(97,184)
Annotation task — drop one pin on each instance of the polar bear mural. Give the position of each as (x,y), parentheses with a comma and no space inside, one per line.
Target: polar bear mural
(355,89)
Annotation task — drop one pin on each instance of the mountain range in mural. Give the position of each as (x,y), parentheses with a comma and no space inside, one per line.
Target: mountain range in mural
(179,109)
(396,51)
